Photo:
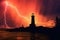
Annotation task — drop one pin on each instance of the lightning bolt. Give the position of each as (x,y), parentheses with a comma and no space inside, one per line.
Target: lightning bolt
(12,6)
(5,24)
(8,4)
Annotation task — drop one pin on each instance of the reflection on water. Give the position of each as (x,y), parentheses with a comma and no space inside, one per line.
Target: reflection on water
(22,36)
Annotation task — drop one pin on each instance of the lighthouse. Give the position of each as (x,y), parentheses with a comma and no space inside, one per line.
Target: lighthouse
(32,25)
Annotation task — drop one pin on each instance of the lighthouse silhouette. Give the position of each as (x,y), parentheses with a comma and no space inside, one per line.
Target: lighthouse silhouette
(32,25)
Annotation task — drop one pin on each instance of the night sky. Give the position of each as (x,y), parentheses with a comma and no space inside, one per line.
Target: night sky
(15,13)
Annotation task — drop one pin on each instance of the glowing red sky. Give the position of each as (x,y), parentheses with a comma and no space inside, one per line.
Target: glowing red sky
(18,12)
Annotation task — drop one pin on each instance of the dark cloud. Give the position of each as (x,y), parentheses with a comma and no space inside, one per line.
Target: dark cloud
(1,14)
(2,0)
(50,7)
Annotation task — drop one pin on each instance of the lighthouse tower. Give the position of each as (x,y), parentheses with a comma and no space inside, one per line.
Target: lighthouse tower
(32,25)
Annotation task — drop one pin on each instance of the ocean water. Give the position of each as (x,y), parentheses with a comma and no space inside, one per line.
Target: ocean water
(22,36)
